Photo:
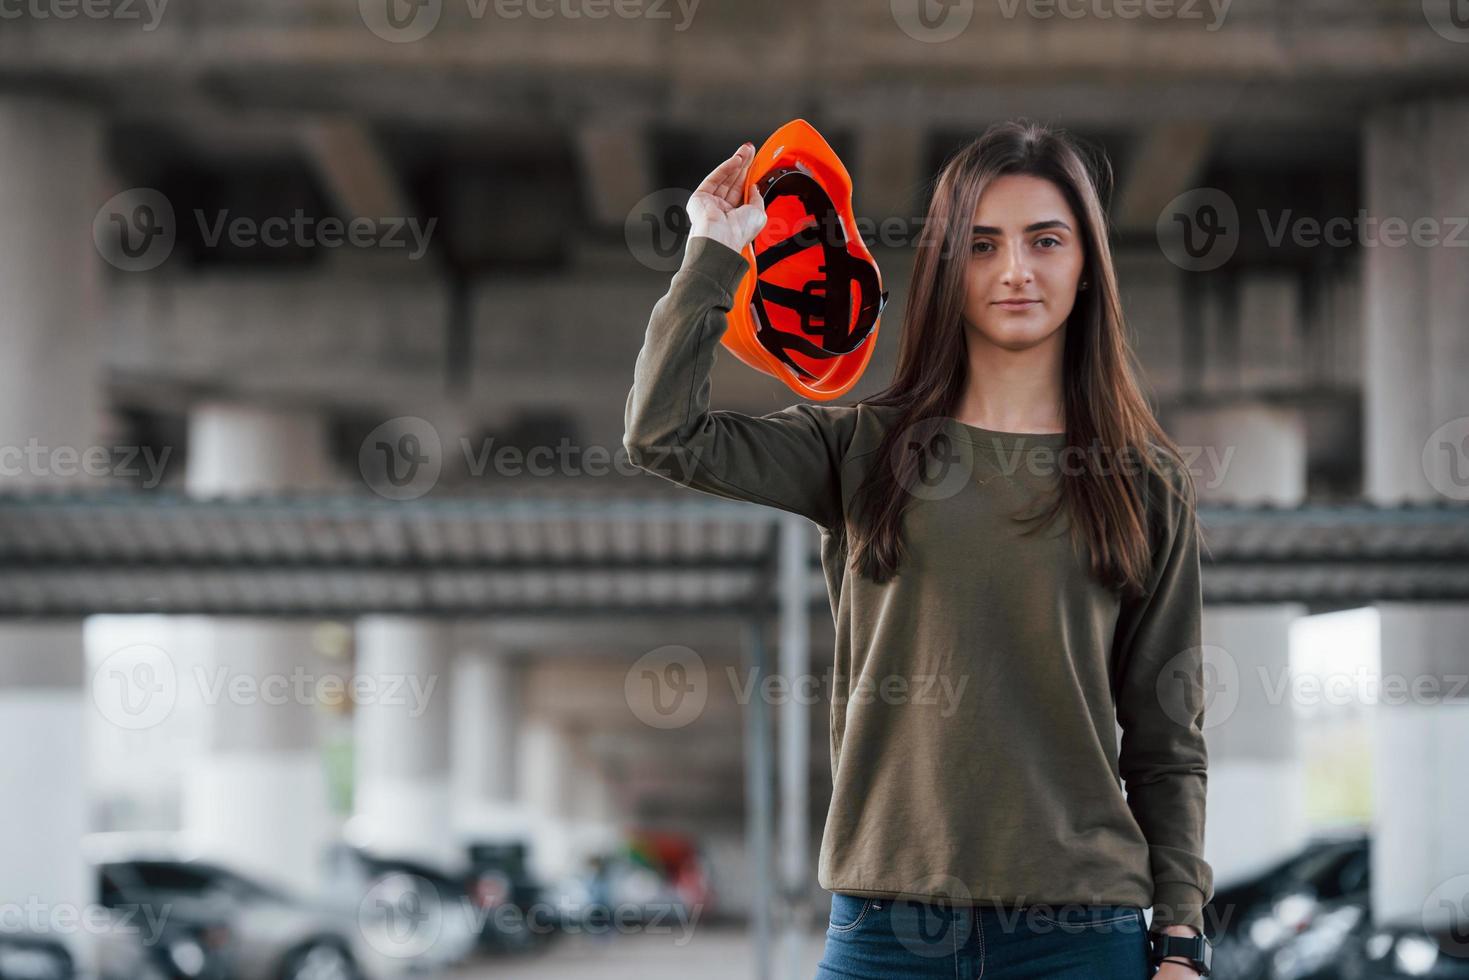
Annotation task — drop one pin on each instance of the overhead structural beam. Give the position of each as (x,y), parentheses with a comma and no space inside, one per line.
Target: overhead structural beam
(357,174)
(1168,160)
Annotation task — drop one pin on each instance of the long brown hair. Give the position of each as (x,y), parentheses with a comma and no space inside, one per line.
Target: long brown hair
(1103,404)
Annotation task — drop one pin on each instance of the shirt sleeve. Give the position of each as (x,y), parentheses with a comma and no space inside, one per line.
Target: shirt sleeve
(788,459)
(1160,708)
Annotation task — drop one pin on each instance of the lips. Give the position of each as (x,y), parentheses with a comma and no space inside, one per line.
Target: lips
(1017,304)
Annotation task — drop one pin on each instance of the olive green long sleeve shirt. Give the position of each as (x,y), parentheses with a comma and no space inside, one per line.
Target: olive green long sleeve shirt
(978,694)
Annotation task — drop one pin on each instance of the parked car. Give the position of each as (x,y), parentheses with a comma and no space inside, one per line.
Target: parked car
(1399,952)
(222,924)
(411,916)
(517,916)
(1292,908)
(24,956)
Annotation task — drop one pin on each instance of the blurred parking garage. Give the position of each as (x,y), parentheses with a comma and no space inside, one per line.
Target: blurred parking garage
(335,624)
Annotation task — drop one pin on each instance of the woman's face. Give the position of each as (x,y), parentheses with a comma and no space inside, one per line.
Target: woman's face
(1025,262)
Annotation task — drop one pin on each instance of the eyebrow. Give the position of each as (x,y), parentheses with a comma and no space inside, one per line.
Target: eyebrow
(1038,226)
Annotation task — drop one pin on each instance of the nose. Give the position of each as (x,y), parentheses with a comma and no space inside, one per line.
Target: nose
(1017,269)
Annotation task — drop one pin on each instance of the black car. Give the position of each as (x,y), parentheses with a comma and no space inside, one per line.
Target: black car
(409,914)
(213,923)
(24,956)
(517,916)
(1402,952)
(1252,919)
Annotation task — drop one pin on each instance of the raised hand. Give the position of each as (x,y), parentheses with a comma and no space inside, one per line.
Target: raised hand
(717,209)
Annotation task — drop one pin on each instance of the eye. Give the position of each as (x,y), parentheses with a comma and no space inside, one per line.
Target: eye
(1048,238)
(977,246)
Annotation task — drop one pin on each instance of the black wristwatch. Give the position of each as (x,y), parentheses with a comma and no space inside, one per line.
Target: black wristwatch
(1196,949)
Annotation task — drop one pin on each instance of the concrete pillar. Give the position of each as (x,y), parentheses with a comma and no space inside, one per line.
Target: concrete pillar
(485,711)
(1249,454)
(50,402)
(1256,807)
(401,800)
(1416,426)
(1245,453)
(258,796)
(238,449)
(50,278)
(545,772)
(1416,347)
(1420,723)
(43,774)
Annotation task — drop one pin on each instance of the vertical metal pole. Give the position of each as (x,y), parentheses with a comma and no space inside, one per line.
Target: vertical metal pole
(759,812)
(795,735)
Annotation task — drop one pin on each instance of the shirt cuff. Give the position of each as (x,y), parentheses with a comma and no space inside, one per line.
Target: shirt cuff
(1177,903)
(716,260)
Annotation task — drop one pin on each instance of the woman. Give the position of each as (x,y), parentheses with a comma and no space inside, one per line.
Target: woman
(1007,522)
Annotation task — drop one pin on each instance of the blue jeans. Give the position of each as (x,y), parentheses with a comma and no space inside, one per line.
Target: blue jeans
(882,939)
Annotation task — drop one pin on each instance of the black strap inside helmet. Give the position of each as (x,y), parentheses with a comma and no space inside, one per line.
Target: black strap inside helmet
(823,304)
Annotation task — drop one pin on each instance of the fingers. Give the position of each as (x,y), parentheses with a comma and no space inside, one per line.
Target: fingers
(723,181)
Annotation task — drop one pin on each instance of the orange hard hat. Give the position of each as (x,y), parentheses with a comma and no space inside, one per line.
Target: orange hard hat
(807,310)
